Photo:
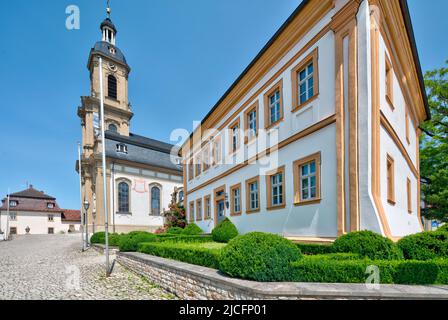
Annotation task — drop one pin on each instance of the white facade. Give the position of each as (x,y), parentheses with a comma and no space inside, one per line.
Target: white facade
(316,128)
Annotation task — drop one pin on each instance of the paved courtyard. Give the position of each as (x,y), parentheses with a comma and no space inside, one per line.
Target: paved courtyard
(53,267)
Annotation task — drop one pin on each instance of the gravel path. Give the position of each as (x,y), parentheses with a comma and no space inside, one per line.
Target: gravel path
(52,267)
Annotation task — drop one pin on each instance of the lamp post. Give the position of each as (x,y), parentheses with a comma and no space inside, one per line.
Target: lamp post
(86,208)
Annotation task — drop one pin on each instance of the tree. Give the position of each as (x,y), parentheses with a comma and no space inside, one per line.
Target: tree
(434,147)
(176,216)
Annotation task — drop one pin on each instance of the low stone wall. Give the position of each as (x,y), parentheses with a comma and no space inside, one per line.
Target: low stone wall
(199,283)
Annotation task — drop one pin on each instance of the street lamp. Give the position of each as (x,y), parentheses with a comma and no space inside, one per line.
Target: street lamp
(86,208)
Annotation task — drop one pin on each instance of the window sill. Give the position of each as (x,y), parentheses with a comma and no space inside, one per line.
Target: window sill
(124,213)
(303,105)
(252,211)
(273,125)
(235,214)
(272,208)
(308,202)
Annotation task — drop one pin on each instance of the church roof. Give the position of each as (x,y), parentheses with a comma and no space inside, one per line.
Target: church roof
(104,48)
(142,150)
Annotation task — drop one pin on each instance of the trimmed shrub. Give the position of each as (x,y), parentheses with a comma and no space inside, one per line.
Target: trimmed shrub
(368,244)
(312,249)
(114,239)
(443,228)
(425,245)
(335,257)
(130,242)
(98,237)
(175,230)
(260,257)
(192,230)
(224,231)
(186,238)
(206,255)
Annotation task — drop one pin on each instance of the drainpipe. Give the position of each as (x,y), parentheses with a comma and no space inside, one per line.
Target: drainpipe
(113,196)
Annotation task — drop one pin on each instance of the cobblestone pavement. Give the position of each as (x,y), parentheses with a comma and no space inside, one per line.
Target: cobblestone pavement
(46,267)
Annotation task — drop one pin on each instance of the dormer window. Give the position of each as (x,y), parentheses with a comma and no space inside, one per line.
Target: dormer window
(13,203)
(50,205)
(122,148)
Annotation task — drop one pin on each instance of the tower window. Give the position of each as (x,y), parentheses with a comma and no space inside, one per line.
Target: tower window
(112,127)
(112,87)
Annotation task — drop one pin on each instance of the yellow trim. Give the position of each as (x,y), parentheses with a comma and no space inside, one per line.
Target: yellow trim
(313,57)
(298,201)
(277,87)
(248,182)
(269,205)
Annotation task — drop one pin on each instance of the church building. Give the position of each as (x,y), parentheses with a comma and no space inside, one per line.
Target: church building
(142,174)
(319,136)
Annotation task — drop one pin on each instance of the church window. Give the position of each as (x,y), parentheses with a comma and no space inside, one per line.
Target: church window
(123,197)
(155,201)
(112,87)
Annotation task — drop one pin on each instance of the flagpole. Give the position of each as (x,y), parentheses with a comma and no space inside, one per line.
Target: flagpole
(103,145)
(7,216)
(80,198)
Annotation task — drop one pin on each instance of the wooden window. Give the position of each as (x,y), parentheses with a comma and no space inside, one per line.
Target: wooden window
(234,136)
(409,193)
(112,87)
(275,189)
(390,180)
(123,197)
(207,207)
(273,105)
(198,166)
(217,151)
(206,158)
(13,230)
(307,188)
(50,230)
(199,210)
(155,201)
(305,81)
(191,213)
(389,83)
(253,195)
(406,119)
(190,170)
(51,218)
(235,200)
(251,122)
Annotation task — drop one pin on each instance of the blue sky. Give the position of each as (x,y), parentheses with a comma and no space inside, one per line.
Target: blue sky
(184,55)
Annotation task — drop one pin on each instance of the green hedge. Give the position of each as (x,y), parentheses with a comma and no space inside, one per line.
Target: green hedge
(198,254)
(192,230)
(443,228)
(175,230)
(129,242)
(335,257)
(425,246)
(260,257)
(224,231)
(368,244)
(354,271)
(185,238)
(100,238)
(313,249)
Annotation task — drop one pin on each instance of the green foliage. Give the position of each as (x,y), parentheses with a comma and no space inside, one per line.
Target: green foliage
(175,217)
(130,242)
(443,228)
(224,231)
(192,230)
(368,244)
(114,239)
(425,245)
(434,147)
(260,257)
(185,238)
(98,238)
(174,230)
(206,255)
(312,249)
(335,257)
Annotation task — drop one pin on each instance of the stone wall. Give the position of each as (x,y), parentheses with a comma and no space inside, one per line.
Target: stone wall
(192,282)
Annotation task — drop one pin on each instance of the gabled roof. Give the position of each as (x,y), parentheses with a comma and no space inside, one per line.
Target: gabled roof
(32,193)
(71,215)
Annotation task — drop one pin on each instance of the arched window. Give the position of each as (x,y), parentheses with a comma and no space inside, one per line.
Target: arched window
(181,196)
(155,201)
(112,127)
(112,87)
(123,197)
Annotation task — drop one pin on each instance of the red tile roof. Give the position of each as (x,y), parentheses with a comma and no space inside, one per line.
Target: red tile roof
(71,215)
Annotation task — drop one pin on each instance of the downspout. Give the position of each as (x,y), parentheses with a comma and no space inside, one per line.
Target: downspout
(113,196)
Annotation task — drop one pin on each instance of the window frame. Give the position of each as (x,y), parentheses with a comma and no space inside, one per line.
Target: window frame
(129,184)
(207,214)
(232,126)
(52,230)
(198,166)
(233,188)
(191,213)
(390,175)
(267,114)
(269,188)
(151,187)
(297,166)
(255,107)
(12,216)
(248,192)
(389,81)
(199,210)
(217,150)
(51,218)
(190,170)
(206,158)
(313,57)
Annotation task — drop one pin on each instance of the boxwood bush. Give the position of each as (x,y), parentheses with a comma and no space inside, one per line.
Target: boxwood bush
(224,231)
(443,228)
(312,249)
(206,255)
(175,230)
(192,230)
(185,238)
(368,244)
(100,238)
(130,242)
(425,245)
(260,257)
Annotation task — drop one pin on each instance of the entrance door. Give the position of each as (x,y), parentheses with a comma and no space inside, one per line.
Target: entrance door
(221,210)
(220,204)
